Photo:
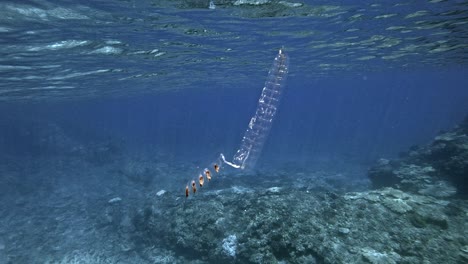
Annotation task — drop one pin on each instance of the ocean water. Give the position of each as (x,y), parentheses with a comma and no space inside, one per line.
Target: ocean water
(108,108)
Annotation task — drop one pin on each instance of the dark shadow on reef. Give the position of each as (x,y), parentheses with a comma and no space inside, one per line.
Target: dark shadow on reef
(438,169)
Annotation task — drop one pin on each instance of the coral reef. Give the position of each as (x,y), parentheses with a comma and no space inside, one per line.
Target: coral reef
(438,169)
(294,226)
(230,245)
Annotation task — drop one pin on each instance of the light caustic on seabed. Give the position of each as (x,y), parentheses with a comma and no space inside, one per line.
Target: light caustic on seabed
(259,125)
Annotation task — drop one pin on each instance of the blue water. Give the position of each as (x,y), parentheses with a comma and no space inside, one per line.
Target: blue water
(344,117)
(173,83)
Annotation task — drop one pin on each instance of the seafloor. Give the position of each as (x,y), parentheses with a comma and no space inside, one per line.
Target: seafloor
(100,203)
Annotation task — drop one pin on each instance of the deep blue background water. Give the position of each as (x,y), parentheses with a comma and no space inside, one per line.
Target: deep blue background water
(355,117)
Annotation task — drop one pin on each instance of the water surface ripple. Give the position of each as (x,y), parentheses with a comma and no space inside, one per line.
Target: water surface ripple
(60,49)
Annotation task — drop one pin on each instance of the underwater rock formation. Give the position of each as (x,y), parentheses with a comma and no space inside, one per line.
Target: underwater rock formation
(45,138)
(297,226)
(34,137)
(438,169)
